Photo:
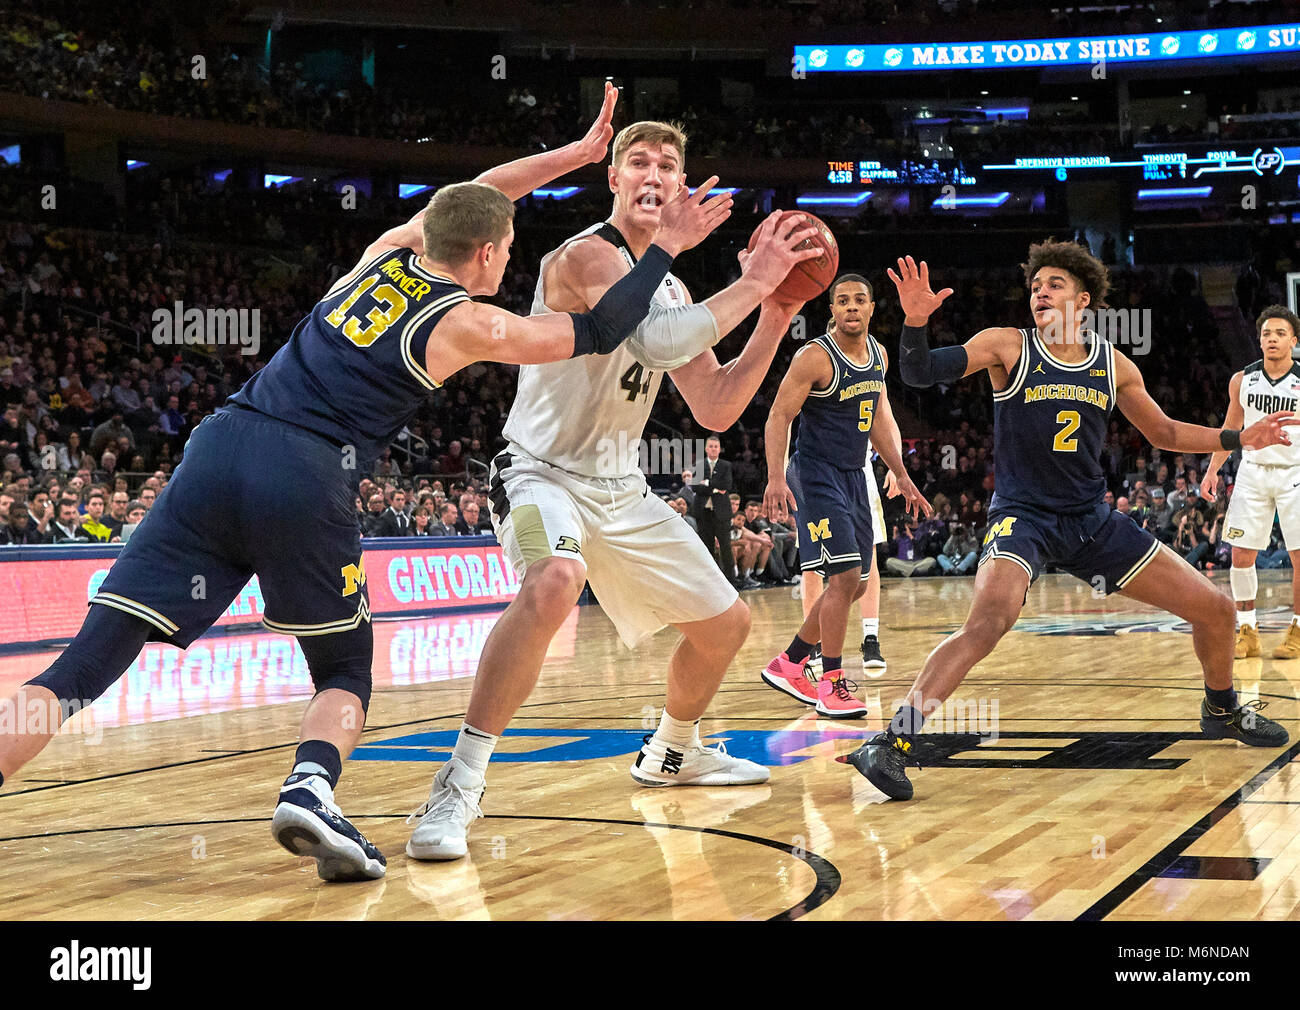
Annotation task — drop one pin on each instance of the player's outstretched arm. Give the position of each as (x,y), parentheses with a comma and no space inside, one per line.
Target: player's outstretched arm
(918,364)
(1164,432)
(1236,418)
(811,366)
(516,179)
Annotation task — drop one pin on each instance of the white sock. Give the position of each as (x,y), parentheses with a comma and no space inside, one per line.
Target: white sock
(474,748)
(676,734)
(1245,617)
(871,626)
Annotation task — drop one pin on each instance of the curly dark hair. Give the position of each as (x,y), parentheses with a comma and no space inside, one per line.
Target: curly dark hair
(1277,312)
(1074,259)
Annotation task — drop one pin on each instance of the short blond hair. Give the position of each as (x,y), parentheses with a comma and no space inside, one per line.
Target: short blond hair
(650,132)
(462,217)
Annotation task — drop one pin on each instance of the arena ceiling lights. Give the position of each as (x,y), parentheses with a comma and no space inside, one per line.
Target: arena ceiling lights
(1154,47)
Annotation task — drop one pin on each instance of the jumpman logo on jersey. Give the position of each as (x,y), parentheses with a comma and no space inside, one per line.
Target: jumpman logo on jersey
(1039,368)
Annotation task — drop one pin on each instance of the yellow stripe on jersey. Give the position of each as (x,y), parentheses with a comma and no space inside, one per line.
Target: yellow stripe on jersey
(417,368)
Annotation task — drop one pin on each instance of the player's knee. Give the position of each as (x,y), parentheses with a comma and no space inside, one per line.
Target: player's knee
(727,632)
(341,661)
(1219,611)
(989,626)
(552,588)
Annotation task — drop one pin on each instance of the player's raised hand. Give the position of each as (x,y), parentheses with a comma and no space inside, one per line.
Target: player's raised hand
(916,502)
(1271,430)
(592,147)
(688,218)
(914,294)
(1209,486)
(778,501)
(775,253)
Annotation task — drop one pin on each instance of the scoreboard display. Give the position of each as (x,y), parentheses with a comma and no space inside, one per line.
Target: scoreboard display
(898,172)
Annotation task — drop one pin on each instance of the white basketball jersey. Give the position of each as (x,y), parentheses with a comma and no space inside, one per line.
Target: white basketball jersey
(1261,396)
(587,414)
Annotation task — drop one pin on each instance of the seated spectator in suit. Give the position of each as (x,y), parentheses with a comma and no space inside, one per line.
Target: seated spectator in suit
(470,523)
(420,524)
(393,521)
(448,516)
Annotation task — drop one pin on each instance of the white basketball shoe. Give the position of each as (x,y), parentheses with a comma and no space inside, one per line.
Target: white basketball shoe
(445,817)
(661,765)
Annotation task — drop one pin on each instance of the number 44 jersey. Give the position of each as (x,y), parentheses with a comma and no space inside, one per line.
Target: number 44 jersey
(587,415)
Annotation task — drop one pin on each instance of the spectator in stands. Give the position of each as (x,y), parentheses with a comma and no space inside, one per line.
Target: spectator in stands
(67,527)
(372,521)
(148,495)
(107,434)
(393,521)
(680,506)
(18,530)
(960,551)
(107,467)
(118,503)
(40,511)
(903,559)
(470,524)
(446,524)
(784,558)
(92,522)
(71,458)
(135,513)
(420,521)
(454,460)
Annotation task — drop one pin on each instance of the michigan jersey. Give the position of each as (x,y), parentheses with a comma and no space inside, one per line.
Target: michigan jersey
(354,369)
(586,415)
(835,422)
(1260,396)
(1049,425)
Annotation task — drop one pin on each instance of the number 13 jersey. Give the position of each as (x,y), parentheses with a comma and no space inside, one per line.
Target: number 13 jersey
(586,415)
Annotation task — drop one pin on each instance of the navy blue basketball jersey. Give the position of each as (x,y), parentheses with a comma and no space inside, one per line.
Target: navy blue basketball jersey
(1049,425)
(353,370)
(835,422)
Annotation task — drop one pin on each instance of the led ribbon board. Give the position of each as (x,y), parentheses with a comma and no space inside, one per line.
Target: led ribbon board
(1222,43)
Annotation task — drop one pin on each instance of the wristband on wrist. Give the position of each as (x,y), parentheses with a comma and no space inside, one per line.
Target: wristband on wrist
(1230,439)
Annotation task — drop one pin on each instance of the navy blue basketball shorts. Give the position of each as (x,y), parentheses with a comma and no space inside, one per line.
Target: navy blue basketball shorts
(252,496)
(1102,547)
(833,518)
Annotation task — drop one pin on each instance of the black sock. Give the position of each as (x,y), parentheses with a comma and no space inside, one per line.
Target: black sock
(907,721)
(799,650)
(1225,700)
(319,758)
(831,666)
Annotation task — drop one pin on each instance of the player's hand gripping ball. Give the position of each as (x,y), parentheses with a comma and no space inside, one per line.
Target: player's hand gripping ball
(810,278)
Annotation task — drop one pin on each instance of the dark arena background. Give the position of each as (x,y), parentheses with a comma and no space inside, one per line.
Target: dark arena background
(181,183)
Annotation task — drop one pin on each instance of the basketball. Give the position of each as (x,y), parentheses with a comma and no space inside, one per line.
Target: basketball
(811,277)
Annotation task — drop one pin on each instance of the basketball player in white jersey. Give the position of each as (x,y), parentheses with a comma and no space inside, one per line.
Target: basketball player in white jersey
(569,504)
(1268,480)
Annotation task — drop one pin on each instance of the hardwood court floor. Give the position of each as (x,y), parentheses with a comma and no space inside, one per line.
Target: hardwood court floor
(1094,800)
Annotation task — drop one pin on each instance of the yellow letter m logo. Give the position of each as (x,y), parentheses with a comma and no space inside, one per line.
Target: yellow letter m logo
(354,576)
(820,530)
(1001,528)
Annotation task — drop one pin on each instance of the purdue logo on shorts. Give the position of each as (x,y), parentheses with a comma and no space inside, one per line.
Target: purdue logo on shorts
(569,544)
(1233,533)
(354,577)
(820,530)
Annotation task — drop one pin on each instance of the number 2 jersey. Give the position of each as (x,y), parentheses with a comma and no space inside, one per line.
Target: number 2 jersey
(354,368)
(1049,424)
(587,415)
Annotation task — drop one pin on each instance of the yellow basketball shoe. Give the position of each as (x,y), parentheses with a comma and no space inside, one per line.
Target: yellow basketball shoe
(1247,642)
(1290,647)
